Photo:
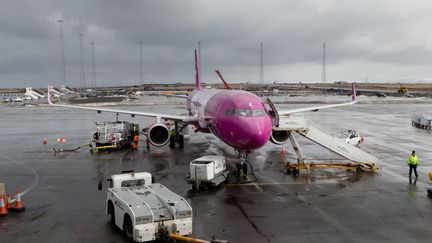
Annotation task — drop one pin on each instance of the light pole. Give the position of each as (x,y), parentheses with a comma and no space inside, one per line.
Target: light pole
(93,64)
(82,72)
(141,63)
(63,59)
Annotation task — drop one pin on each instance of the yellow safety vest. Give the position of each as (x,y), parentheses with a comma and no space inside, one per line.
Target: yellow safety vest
(413,160)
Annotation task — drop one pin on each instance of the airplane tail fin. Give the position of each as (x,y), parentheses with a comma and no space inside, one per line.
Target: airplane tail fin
(353,93)
(197,72)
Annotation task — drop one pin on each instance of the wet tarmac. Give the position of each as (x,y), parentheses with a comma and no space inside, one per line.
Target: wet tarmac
(64,205)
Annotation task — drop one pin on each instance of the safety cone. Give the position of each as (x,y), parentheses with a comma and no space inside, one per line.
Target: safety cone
(45,141)
(158,153)
(3,208)
(283,150)
(19,206)
(8,202)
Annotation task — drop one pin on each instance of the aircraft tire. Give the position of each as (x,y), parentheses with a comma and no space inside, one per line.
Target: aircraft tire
(245,168)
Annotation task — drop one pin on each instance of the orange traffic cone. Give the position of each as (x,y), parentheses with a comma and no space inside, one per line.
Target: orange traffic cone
(45,141)
(158,153)
(19,206)
(3,208)
(283,150)
(8,202)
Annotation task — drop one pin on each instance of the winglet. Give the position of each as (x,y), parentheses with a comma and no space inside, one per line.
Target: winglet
(353,93)
(49,94)
(197,72)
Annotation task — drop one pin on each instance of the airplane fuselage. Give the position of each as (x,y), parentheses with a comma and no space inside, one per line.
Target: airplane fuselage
(239,118)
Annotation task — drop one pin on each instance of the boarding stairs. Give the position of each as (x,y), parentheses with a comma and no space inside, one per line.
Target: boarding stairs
(33,93)
(359,158)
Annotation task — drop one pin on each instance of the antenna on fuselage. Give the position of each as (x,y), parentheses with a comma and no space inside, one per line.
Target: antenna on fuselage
(226,85)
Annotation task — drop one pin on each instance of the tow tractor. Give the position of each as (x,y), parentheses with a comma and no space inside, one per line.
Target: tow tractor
(144,210)
(207,171)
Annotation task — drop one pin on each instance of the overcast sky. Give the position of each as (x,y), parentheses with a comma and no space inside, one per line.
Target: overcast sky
(385,40)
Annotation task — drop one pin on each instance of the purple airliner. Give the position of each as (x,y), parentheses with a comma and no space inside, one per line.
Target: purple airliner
(239,118)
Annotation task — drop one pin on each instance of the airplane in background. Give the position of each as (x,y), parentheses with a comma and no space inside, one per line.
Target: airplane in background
(238,118)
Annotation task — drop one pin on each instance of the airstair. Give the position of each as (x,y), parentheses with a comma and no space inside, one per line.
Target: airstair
(359,159)
(33,93)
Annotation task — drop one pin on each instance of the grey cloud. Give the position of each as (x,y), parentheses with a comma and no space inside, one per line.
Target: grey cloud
(383,33)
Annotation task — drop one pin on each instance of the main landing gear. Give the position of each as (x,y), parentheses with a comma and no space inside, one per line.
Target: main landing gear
(176,136)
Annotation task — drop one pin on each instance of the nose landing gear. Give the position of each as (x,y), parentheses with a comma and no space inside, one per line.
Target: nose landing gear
(242,165)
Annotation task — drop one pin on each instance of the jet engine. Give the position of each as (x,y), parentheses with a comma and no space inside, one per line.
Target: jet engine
(279,137)
(158,134)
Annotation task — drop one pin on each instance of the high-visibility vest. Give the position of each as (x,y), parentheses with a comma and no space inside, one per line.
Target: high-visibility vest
(413,160)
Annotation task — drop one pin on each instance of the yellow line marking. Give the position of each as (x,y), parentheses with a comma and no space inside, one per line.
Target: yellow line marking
(254,184)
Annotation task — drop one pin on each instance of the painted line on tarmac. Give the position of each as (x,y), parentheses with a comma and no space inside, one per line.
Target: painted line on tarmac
(254,184)
(36,175)
(327,181)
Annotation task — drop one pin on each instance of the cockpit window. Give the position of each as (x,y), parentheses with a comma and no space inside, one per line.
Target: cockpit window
(244,112)
(258,112)
(230,112)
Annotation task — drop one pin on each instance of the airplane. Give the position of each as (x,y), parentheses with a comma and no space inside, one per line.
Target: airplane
(239,118)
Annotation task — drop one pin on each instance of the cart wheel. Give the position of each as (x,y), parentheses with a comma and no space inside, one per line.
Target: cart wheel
(295,172)
(127,227)
(245,168)
(288,171)
(359,170)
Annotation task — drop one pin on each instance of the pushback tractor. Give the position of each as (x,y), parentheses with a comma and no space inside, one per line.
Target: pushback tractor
(145,211)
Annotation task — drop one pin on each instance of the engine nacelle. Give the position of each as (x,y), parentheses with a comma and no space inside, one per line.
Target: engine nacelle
(279,137)
(158,134)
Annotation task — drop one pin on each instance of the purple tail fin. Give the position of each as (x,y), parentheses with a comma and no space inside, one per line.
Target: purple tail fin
(197,72)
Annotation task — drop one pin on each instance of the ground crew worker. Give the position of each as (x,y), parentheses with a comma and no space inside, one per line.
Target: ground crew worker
(413,161)
(136,142)
(173,137)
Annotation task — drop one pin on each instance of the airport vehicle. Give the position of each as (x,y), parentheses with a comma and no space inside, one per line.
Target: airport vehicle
(352,137)
(114,135)
(423,122)
(207,171)
(142,209)
(403,90)
(381,94)
(239,118)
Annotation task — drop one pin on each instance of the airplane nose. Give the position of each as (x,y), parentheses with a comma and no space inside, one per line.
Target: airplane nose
(257,134)
(257,139)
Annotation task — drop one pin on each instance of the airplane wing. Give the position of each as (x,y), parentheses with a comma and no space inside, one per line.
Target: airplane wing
(316,108)
(128,112)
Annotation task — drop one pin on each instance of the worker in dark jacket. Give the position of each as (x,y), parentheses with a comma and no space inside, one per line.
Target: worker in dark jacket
(413,162)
